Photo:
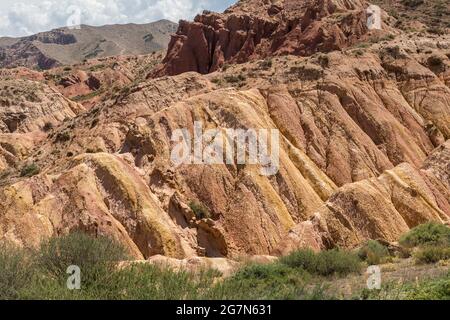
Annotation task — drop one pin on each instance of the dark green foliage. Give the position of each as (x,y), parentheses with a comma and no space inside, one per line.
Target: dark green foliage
(269,281)
(30,170)
(16,271)
(96,257)
(63,137)
(412,3)
(430,289)
(47,126)
(325,263)
(432,254)
(374,253)
(200,210)
(235,79)
(266,64)
(431,233)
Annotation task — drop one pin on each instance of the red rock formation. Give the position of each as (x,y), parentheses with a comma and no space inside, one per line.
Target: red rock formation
(257,29)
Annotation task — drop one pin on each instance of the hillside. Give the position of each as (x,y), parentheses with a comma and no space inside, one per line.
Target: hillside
(65,47)
(363,118)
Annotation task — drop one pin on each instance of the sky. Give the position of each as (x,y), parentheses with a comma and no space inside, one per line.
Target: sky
(26,17)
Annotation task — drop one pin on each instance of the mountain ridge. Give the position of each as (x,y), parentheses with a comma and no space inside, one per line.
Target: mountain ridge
(64,46)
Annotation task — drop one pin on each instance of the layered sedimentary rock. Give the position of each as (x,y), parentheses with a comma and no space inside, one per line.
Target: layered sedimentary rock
(27,106)
(258,29)
(363,146)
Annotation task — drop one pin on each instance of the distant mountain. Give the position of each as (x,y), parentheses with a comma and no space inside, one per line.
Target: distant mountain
(64,46)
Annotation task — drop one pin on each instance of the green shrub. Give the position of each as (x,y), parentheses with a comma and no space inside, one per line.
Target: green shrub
(412,3)
(235,79)
(15,271)
(30,170)
(200,210)
(263,281)
(325,263)
(148,282)
(428,289)
(266,64)
(374,253)
(432,254)
(47,126)
(96,257)
(63,137)
(435,61)
(431,233)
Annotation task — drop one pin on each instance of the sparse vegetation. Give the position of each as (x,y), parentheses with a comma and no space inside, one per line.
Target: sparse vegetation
(63,136)
(412,3)
(432,254)
(16,271)
(30,170)
(235,79)
(431,233)
(436,30)
(47,126)
(427,289)
(217,81)
(374,253)
(435,61)
(88,96)
(41,274)
(200,210)
(325,263)
(96,257)
(266,64)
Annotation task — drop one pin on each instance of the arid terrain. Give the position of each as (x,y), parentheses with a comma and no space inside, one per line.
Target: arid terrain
(363,116)
(66,46)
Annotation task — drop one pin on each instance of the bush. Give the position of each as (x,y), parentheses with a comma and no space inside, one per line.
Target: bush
(432,254)
(374,253)
(149,282)
(63,137)
(16,271)
(30,170)
(435,61)
(412,3)
(200,210)
(436,30)
(235,79)
(431,233)
(266,281)
(429,289)
(325,263)
(96,257)
(266,64)
(47,126)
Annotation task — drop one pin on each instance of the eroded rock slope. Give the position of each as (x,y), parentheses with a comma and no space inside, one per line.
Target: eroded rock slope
(364,142)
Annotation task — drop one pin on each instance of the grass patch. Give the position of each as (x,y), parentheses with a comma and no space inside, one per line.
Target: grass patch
(429,289)
(325,263)
(16,270)
(274,281)
(96,257)
(235,79)
(432,254)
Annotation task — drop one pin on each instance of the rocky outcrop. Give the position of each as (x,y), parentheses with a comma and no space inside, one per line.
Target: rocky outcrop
(363,149)
(27,106)
(258,29)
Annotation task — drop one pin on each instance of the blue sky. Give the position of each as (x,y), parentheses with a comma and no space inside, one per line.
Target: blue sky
(25,17)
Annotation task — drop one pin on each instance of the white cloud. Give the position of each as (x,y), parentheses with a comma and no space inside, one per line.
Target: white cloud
(24,17)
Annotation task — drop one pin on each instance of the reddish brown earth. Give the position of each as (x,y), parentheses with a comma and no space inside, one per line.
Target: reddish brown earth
(258,29)
(364,137)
